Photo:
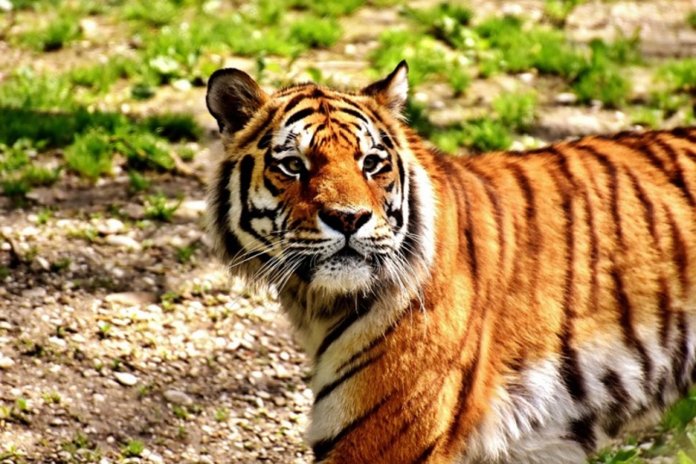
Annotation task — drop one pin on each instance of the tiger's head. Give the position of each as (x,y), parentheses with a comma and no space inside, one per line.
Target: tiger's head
(319,188)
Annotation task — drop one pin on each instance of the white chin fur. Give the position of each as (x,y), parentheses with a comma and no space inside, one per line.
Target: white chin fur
(342,276)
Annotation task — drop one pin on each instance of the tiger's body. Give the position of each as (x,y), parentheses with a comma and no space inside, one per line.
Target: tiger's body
(509,307)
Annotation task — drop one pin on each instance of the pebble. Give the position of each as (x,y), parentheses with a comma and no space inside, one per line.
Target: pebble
(123,241)
(36,292)
(566,98)
(126,378)
(6,363)
(132,298)
(110,227)
(178,397)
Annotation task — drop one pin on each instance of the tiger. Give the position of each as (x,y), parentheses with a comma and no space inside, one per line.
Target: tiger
(519,306)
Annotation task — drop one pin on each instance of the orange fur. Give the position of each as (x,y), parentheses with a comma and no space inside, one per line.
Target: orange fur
(553,255)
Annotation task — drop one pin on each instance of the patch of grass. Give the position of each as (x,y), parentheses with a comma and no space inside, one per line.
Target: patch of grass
(185,254)
(138,182)
(446,21)
(330,8)
(18,174)
(101,77)
(427,59)
(515,47)
(679,76)
(691,19)
(160,208)
(155,13)
(557,11)
(480,135)
(647,116)
(52,397)
(605,83)
(221,414)
(133,449)
(60,30)
(174,127)
(515,110)
(316,32)
(91,154)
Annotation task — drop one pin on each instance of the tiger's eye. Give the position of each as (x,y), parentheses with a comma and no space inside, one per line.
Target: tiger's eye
(293,165)
(370,163)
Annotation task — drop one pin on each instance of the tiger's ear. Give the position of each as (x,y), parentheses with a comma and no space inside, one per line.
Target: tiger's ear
(392,91)
(233,97)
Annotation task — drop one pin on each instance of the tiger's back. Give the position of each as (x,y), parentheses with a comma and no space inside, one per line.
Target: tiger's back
(510,307)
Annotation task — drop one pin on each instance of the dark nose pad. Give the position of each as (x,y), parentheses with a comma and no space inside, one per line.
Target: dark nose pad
(343,221)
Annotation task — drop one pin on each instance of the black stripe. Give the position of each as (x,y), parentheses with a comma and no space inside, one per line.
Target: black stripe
(582,431)
(570,369)
(639,146)
(327,389)
(679,357)
(664,305)
(354,113)
(677,177)
(322,448)
(299,115)
(626,321)
(364,306)
(265,140)
(232,245)
(613,174)
(427,452)
(260,126)
(620,400)
(386,139)
(680,253)
(294,101)
(685,133)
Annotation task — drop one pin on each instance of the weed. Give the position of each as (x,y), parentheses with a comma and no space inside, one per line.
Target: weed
(185,253)
(138,182)
(604,83)
(679,76)
(43,216)
(133,449)
(159,208)
(221,414)
(61,30)
(330,8)
(557,11)
(647,116)
(101,77)
(427,58)
(316,32)
(515,110)
(180,412)
(174,127)
(4,272)
(52,397)
(91,154)
(154,13)
(60,264)
(691,19)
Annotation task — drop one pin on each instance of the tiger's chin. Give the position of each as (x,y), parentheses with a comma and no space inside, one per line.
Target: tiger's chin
(341,275)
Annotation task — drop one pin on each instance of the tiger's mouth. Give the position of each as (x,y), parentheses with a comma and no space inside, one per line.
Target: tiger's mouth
(344,271)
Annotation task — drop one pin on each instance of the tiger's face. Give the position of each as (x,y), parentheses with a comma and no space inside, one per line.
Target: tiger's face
(316,184)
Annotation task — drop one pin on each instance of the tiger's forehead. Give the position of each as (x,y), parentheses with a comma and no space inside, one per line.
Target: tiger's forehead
(316,121)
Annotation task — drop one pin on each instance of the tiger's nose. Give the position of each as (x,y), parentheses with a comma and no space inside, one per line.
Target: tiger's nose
(346,222)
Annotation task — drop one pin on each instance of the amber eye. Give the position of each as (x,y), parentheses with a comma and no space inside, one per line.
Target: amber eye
(292,165)
(371,163)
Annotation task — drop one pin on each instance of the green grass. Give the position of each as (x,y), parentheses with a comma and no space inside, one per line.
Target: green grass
(59,32)
(691,19)
(316,32)
(427,58)
(557,11)
(91,154)
(160,208)
(679,76)
(515,111)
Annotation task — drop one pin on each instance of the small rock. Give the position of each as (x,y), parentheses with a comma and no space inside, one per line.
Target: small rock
(126,378)
(566,98)
(6,363)
(178,397)
(132,298)
(89,27)
(123,241)
(37,292)
(43,263)
(110,227)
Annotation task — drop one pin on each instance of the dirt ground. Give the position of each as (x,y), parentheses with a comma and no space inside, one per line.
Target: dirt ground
(110,337)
